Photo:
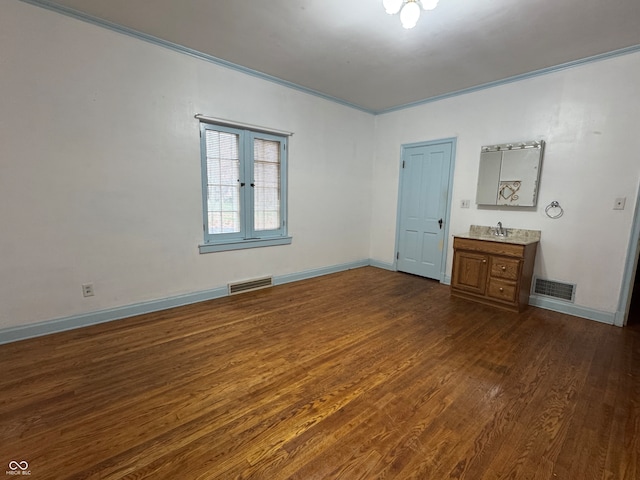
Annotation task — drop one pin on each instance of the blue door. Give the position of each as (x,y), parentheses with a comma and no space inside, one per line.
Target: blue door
(424,198)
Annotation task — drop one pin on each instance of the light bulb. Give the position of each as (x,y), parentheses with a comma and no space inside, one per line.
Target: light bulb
(409,15)
(429,4)
(392,6)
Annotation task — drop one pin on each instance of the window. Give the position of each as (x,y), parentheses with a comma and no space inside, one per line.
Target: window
(244,188)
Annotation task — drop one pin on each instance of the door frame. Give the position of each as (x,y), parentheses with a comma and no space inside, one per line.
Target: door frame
(628,279)
(445,241)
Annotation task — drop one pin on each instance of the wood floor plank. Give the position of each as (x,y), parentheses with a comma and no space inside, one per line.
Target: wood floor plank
(361,374)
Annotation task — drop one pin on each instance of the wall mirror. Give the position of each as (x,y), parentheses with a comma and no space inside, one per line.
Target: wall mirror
(509,174)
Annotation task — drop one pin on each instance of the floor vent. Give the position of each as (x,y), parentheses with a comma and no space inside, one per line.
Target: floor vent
(249,285)
(551,288)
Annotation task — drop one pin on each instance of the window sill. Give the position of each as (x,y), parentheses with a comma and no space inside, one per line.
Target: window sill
(242,244)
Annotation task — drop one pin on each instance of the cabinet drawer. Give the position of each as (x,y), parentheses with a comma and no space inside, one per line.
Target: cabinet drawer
(487,246)
(502,290)
(507,268)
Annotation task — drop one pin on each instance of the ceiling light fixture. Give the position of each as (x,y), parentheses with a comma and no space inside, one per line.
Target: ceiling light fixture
(409,9)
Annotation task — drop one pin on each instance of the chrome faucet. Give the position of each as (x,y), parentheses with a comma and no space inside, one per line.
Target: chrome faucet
(500,231)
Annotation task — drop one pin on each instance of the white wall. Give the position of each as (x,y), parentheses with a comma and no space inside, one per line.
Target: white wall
(100,170)
(588,116)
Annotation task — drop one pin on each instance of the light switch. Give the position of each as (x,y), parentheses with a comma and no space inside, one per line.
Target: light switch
(619,203)
(464,203)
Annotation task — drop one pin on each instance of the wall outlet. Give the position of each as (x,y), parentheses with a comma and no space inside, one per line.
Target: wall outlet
(619,203)
(465,203)
(87,290)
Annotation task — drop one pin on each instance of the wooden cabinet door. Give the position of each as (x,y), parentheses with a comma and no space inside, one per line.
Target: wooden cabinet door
(470,272)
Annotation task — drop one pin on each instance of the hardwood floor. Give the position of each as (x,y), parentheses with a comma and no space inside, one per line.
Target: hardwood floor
(363,374)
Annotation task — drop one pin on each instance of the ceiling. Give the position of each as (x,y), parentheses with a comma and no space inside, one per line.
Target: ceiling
(356,53)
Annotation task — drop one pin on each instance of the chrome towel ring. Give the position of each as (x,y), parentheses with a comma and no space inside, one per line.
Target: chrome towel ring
(556,210)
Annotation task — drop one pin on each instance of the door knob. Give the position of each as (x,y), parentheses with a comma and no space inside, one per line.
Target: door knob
(440,223)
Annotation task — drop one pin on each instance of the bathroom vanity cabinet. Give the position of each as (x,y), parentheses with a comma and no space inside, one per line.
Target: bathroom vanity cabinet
(493,271)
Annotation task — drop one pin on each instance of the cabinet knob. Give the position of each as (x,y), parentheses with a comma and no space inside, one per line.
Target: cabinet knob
(484,261)
(501,289)
(504,268)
